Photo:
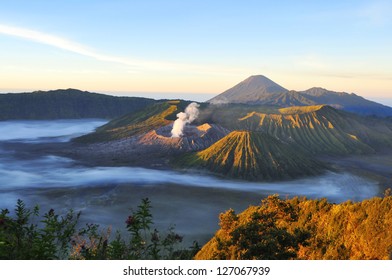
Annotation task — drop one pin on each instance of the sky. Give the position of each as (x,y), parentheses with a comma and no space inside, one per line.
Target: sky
(195,49)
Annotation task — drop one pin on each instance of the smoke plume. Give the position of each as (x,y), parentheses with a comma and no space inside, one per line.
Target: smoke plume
(190,114)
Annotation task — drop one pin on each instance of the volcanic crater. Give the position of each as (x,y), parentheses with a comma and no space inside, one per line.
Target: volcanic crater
(194,137)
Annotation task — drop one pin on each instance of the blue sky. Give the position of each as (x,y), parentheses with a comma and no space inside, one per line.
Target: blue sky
(190,49)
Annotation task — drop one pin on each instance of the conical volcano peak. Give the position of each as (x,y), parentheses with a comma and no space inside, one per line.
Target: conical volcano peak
(259,80)
(253,89)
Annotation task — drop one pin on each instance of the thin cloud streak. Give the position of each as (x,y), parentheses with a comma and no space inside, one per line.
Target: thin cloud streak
(68,45)
(135,64)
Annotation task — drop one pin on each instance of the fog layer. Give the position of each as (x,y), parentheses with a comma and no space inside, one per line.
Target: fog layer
(46,131)
(54,172)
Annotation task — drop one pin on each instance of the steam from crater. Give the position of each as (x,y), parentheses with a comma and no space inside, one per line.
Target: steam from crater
(191,113)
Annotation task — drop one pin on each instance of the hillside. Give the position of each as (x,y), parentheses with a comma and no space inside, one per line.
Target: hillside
(252,156)
(319,129)
(67,104)
(304,229)
(262,91)
(151,117)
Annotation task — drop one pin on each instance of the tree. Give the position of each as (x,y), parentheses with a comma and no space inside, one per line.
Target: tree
(57,237)
(263,235)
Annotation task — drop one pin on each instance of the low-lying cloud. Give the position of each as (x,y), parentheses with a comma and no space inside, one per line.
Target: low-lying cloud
(53,172)
(47,131)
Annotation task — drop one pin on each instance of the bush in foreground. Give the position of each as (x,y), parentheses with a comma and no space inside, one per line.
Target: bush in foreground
(26,235)
(305,229)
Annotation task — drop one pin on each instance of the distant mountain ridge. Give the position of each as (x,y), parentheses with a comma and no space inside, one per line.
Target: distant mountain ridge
(260,90)
(67,104)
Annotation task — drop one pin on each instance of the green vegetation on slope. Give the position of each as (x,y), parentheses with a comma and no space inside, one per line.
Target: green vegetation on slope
(304,229)
(151,117)
(67,104)
(252,156)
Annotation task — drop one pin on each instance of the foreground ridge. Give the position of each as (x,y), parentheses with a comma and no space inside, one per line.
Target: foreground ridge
(299,228)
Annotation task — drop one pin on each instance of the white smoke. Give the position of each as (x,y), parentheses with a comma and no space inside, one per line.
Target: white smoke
(191,113)
(219,101)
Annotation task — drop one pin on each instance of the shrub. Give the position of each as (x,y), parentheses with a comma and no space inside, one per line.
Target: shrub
(57,237)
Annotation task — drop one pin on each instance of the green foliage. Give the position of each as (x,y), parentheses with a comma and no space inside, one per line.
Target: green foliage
(57,237)
(146,243)
(305,229)
(143,242)
(22,239)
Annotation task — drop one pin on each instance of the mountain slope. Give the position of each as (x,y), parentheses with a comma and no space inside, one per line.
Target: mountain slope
(320,129)
(252,156)
(151,117)
(262,91)
(252,90)
(67,104)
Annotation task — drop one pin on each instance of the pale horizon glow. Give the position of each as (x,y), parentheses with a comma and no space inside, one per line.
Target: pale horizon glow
(195,49)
